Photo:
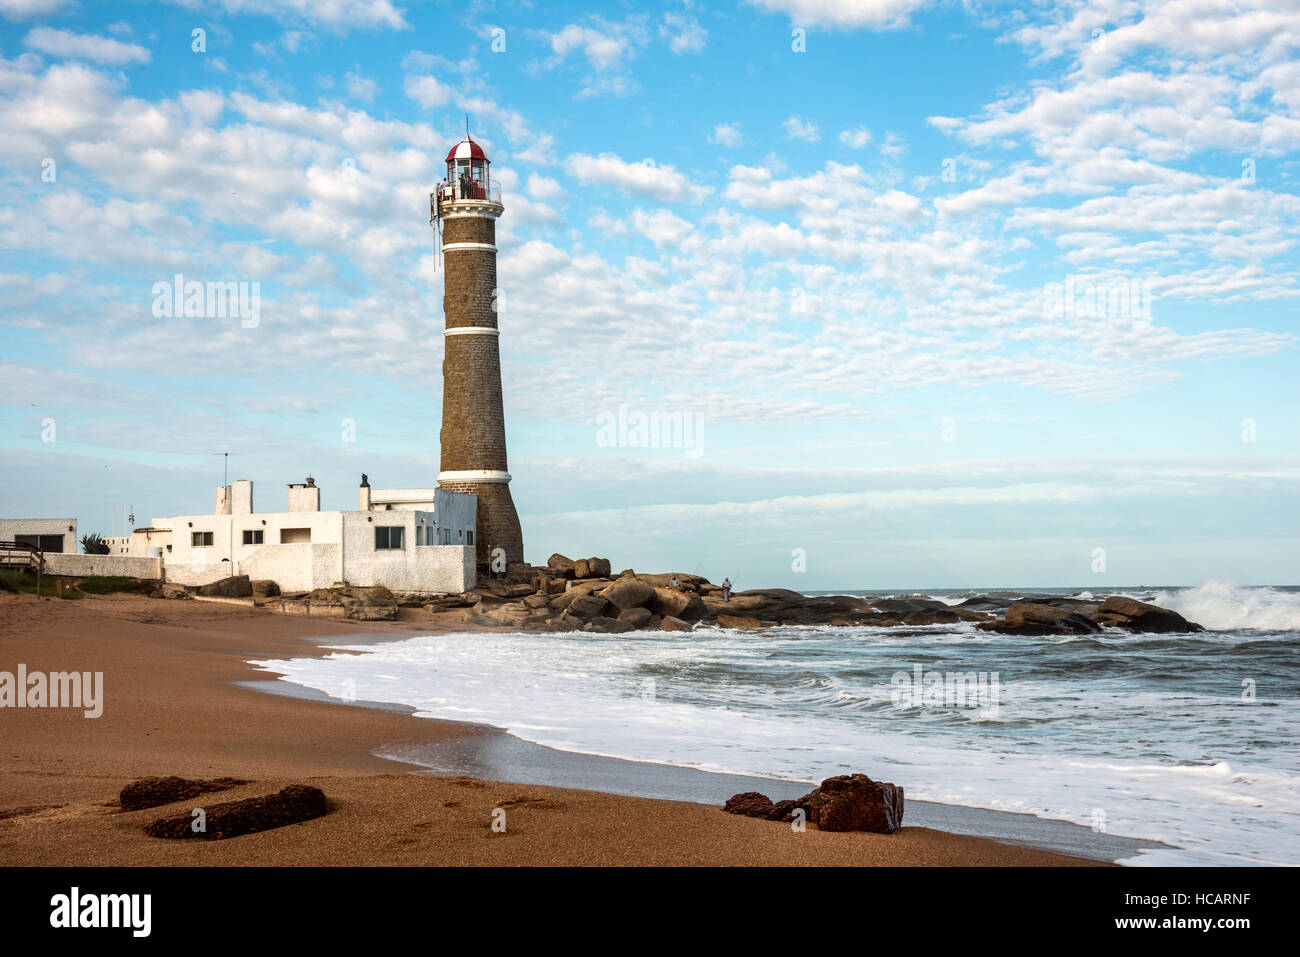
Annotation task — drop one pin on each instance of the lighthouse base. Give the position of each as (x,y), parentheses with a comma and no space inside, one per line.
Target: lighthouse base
(498,522)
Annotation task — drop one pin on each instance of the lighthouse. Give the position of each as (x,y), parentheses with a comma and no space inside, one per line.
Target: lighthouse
(465,209)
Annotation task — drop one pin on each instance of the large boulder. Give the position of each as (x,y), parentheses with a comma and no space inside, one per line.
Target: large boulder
(608,625)
(559,563)
(264,588)
(1133,615)
(152,792)
(1033,619)
(738,621)
(854,802)
(628,592)
(236,586)
(474,617)
(587,607)
(687,607)
(290,805)
(636,617)
(670,623)
(170,590)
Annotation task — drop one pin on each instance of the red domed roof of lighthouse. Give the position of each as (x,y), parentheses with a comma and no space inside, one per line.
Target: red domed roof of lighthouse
(466,149)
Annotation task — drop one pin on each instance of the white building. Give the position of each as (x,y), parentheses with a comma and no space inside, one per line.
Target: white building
(410,540)
(47,534)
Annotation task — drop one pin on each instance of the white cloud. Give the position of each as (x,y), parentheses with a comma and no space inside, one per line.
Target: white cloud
(879,14)
(800,128)
(646,178)
(726,134)
(85,46)
(361,87)
(337,14)
(428,91)
(661,227)
(856,138)
(604,50)
(22,9)
(684,33)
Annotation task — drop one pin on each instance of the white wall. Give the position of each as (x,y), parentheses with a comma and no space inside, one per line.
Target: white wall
(87,565)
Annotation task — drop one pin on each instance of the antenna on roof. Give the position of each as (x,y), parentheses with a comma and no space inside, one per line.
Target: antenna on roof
(466,125)
(226,473)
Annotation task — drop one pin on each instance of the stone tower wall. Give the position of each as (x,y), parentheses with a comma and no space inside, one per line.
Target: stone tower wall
(473,419)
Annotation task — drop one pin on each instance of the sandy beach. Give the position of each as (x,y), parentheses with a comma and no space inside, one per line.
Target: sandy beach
(174,705)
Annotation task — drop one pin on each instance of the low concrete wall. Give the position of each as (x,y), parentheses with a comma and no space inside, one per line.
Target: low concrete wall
(88,565)
(299,567)
(198,573)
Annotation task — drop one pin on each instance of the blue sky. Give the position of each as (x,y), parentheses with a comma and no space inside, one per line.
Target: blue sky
(833,236)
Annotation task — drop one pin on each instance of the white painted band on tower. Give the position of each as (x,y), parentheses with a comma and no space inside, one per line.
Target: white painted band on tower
(473,331)
(474,475)
(446,246)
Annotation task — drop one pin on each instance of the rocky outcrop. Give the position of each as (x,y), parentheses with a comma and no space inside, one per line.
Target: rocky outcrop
(738,621)
(569,594)
(1138,616)
(236,586)
(290,805)
(849,802)
(375,603)
(152,792)
(170,591)
(1034,619)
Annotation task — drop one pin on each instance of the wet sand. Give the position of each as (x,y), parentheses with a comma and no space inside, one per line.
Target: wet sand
(180,699)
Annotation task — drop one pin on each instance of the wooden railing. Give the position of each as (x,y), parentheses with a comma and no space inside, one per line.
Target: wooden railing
(23,555)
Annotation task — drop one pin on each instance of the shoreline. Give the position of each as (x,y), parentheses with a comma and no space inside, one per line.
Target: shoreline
(493,752)
(174,704)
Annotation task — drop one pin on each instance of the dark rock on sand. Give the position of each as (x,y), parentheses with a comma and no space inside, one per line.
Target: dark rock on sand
(236,586)
(854,802)
(152,792)
(749,804)
(1138,616)
(850,802)
(290,805)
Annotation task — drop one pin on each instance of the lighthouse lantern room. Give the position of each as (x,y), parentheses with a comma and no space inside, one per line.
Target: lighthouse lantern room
(468,175)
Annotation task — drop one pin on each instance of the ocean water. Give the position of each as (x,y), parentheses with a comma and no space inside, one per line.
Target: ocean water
(1192,740)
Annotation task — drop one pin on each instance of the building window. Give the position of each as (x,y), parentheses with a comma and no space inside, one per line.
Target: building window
(469,537)
(390,536)
(200,539)
(295,536)
(424,535)
(444,536)
(253,536)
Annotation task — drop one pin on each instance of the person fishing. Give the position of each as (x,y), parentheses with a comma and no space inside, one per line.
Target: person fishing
(726,589)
